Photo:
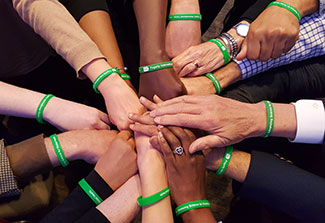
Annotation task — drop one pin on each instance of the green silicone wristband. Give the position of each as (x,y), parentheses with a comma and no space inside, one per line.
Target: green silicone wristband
(223,49)
(215,82)
(154,67)
(288,7)
(41,107)
(58,150)
(192,205)
(153,198)
(102,76)
(177,17)
(269,119)
(125,76)
(225,161)
(90,192)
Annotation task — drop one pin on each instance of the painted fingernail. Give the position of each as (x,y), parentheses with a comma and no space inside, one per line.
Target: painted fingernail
(142,99)
(160,134)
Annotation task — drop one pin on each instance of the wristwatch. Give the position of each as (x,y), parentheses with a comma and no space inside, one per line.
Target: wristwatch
(242,29)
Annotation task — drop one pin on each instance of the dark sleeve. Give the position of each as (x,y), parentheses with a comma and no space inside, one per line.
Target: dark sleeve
(78,8)
(93,215)
(283,186)
(78,202)
(252,12)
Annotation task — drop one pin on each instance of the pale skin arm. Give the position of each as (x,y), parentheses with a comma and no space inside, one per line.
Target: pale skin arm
(16,101)
(236,120)
(153,179)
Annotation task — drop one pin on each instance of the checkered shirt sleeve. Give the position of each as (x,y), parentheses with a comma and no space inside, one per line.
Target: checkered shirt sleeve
(322,7)
(8,184)
(311,43)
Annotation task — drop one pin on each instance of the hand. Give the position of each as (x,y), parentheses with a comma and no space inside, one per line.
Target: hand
(229,121)
(207,55)
(67,115)
(270,37)
(180,35)
(163,83)
(120,100)
(119,162)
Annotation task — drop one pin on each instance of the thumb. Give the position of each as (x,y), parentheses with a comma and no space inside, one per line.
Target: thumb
(243,52)
(206,142)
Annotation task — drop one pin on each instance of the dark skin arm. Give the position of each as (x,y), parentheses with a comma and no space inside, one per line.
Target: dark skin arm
(151,18)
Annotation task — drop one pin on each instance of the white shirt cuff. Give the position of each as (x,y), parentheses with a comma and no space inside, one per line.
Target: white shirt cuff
(310,116)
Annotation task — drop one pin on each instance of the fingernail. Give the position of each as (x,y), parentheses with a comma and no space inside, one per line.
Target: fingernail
(160,134)
(153,113)
(160,126)
(157,119)
(131,126)
(130,115)
(142,99)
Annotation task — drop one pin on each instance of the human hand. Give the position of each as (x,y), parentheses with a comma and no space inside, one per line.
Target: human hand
(207,55)
(67,115)
(87,145)
(229,121)
(180,35)
(270,37)
(163,83)
(120,100)
(119,162)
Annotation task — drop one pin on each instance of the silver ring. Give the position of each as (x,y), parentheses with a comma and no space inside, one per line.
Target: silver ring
(179,150)
(196,64)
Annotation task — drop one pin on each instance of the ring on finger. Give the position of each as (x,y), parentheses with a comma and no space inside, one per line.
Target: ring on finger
(196,64)
(179,150)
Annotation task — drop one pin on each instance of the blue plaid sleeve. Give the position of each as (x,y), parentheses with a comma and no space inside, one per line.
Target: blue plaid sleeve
(8,184)
(311,43)
(322,7)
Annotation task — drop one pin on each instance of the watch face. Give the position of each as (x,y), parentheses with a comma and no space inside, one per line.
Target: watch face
(242,29)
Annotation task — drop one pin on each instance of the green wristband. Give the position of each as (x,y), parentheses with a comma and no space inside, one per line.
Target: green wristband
(90,192)
(269,119)
(225,161)
(153,198)
(215,82)
(102,76)
(125,76)
(288,7)
(58,150)
(223,49)
(177,17)
(192,205)
(154,67)
(41,107)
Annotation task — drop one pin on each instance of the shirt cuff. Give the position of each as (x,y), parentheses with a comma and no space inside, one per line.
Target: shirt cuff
(310,121)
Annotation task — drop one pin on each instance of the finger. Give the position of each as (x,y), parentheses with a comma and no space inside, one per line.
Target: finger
(147,103)
(278,49)
(289,45)
(181,60)
(188,68)
(149,130)
(253,49)
(171,139)
(165,149)
(242,54)
(266,50)
(201,70)
(157,99)
(177,109)
(102,126)
(182,120)
(125,134)
(142,119)
(131,142)
(104,117)
(206,142)
(182,137)
(185,99)
(155,143)
(191,134)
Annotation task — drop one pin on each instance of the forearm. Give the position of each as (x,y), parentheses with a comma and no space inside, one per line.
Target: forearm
(54,24)
(305,7)
(185,7)
(153,179)
(151,18)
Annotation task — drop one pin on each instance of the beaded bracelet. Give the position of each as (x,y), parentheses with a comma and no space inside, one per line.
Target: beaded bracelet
(215,82)
(153,198)
(269,119)
(102,76)
(192,205)
(223,49)
(41,107)
(58,150)
(177,17)
(90,192)
(288,7)
(225,161)
(154,67)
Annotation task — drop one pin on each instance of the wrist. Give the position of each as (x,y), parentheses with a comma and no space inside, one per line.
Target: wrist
(185,6)
(257,116)
(304,7)
(228,74)
(198,215)
(153,57)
